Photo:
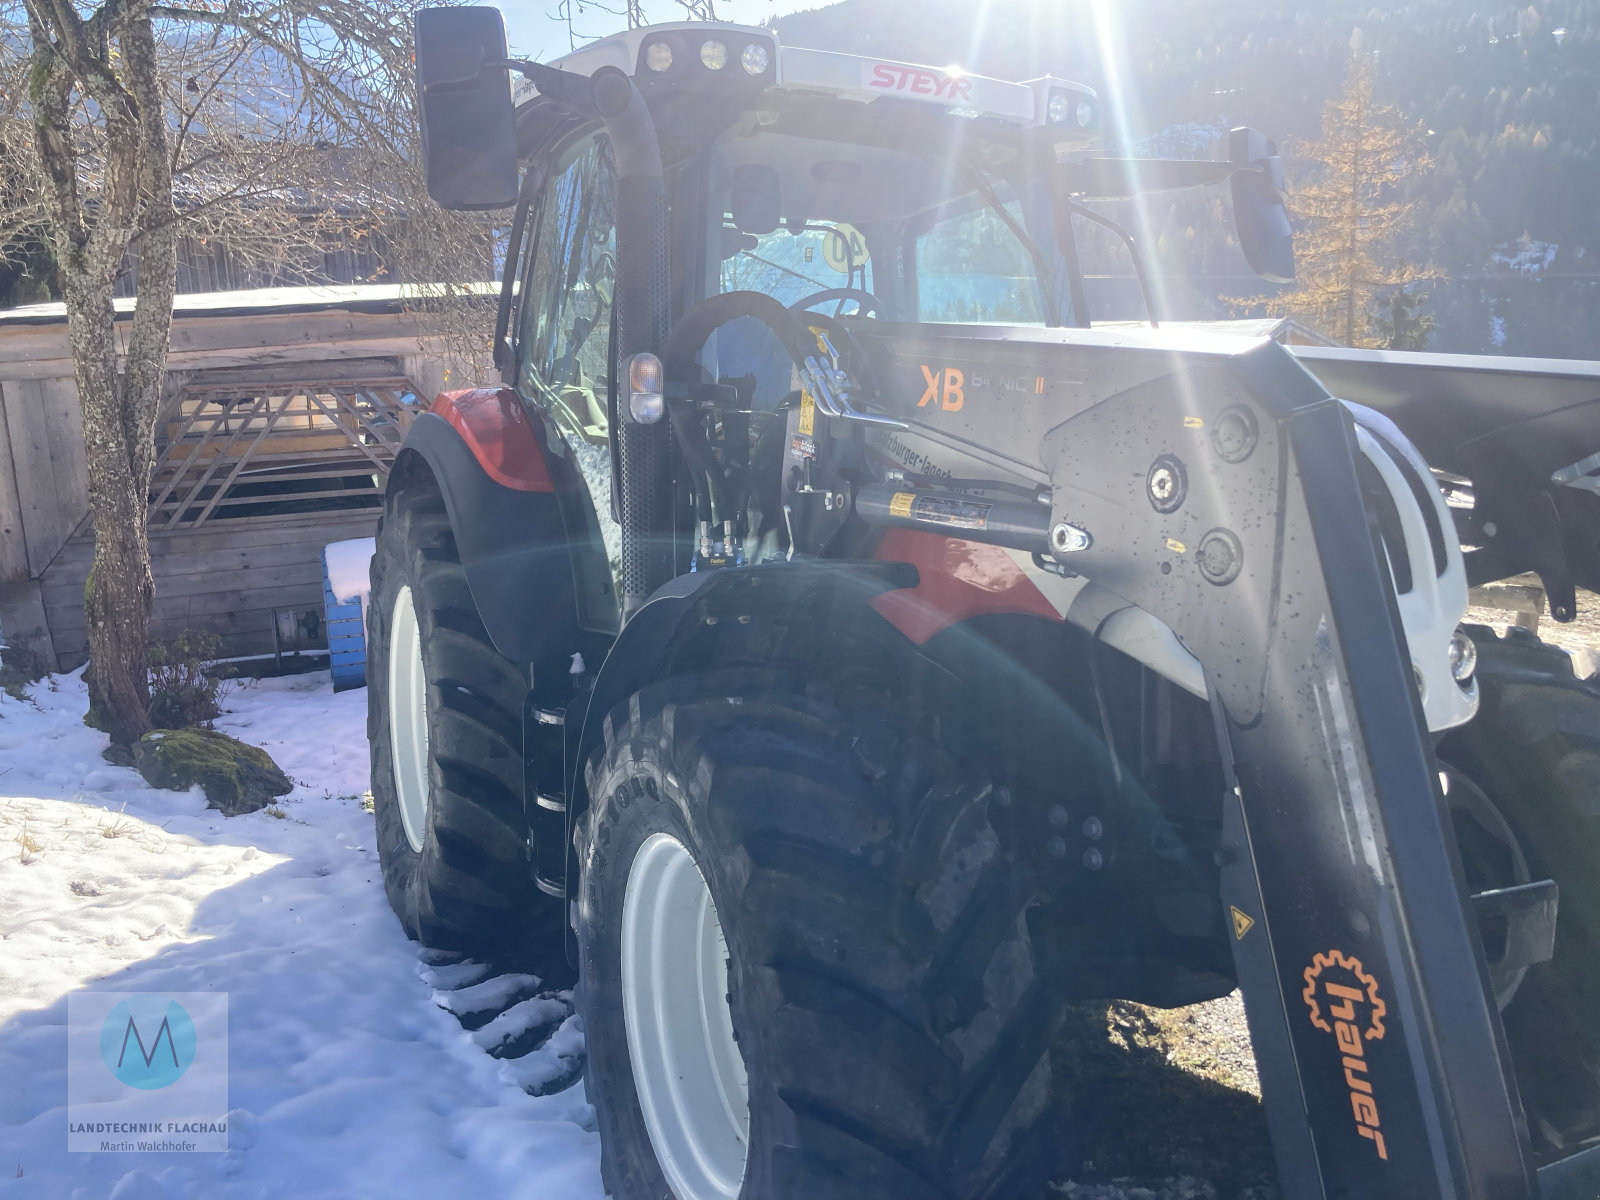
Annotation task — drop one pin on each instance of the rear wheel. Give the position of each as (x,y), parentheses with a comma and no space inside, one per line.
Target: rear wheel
(1534,750)
(805,973)
(444,719)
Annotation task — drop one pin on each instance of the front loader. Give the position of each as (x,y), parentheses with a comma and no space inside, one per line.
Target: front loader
(841,655)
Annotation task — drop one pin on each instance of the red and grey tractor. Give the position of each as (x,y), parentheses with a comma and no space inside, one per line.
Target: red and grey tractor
(840,655)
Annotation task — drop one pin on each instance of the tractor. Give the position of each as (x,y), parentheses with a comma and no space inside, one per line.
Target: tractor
(838,654)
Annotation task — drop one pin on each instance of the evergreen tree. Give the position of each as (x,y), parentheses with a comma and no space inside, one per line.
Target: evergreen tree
(1353,221)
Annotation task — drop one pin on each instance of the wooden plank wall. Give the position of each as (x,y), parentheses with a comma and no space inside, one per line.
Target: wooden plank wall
(13,549)
(225,578)
(47,465)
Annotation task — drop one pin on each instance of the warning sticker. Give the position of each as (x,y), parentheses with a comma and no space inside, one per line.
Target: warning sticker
(944,510)
(900,504)
(808,414)
(1242,923)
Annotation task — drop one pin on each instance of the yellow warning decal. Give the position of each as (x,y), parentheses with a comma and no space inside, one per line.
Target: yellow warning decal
(1193,423)
(900,504)
(1176,547)
(1242,924)
(808,414)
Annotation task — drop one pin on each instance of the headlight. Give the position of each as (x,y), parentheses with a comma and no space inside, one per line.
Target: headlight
(645,402)
(714,55)
(1060,109)
(755,59)
(1085,113)
(658,56)
(1463,657)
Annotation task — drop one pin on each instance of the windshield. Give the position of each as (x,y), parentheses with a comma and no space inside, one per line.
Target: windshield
(908,236)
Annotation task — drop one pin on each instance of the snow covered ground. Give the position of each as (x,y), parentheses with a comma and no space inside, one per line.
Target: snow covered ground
(351,1072)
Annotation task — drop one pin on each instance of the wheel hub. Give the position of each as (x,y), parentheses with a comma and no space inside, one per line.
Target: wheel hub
(408,718)
(687,1069)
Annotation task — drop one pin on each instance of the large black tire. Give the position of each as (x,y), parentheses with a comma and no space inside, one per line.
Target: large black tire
(890,1006)
(468,887)
(1534,749)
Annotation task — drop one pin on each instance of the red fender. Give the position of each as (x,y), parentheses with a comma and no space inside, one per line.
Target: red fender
(493,424)
(959,580)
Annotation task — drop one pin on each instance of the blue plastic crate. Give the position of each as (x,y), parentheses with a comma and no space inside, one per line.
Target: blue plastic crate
(347,634)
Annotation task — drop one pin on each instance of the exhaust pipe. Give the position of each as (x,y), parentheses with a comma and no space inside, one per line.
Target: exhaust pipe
(1016,524)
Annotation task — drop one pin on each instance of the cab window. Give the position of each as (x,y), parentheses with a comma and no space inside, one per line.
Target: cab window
(565,337)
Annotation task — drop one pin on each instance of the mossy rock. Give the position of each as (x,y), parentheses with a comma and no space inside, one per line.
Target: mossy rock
(237,778)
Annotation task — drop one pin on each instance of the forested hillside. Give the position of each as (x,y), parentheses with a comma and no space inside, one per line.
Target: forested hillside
(1508,99)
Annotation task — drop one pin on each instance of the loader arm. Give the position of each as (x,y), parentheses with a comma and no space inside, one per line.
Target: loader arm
(1363,978)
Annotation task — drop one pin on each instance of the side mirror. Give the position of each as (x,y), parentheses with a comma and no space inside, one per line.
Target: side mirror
(469,146)
(1258,205)
(756,200)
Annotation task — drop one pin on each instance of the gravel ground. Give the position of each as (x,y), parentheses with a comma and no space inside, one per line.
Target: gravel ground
(1165,1104)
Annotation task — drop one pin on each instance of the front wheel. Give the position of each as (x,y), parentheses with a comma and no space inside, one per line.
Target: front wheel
(444,720)
(1534,750)
(803,974)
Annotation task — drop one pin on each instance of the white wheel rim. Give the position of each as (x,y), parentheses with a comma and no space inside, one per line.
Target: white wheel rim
(687,1069)
(408,718)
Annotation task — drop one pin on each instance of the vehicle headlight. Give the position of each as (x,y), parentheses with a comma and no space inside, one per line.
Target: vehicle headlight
(1463,657)
(1060,110)
(714,55)
(1085,113)
(658,56)
(755,59)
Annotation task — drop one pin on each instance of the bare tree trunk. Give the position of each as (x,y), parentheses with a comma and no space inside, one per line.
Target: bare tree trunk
(119,410)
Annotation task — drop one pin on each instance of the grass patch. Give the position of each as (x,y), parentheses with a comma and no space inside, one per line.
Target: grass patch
(19,668)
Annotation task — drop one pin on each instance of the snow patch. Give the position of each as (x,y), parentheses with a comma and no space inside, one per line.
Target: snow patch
(519,1019)
(346,1078)
(1525,256)
(348,566)
(491,993)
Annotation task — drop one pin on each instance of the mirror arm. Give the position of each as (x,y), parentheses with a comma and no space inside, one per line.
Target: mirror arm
(565,88)
(570,91)
(1089,214)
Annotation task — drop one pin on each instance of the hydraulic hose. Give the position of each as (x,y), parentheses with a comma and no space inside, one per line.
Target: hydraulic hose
(708,478)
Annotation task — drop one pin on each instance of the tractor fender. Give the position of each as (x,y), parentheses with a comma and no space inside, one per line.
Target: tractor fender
(694,621)
(491,464)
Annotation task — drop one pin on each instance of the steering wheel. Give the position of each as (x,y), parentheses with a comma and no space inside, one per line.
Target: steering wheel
(866,300)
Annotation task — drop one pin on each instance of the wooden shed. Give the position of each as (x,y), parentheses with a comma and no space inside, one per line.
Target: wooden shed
(283,411)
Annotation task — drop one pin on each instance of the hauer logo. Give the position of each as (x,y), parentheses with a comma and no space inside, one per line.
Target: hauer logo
(148,1042)
(1356,1014)
(919,81)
